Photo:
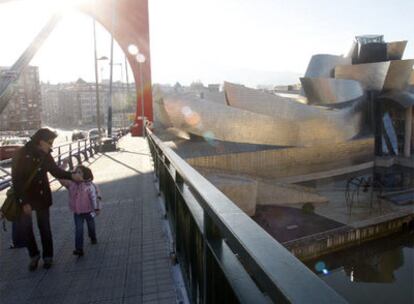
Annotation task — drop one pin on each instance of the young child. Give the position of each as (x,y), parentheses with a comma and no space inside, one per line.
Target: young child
(84,202)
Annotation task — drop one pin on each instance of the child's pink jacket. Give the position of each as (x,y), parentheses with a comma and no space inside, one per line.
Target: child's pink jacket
(82,196)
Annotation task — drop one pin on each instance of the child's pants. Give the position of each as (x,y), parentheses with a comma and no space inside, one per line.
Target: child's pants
(90,222)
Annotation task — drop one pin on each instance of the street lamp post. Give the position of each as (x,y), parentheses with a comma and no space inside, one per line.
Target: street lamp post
(111,66)
(98,112)
(127,94)
(122,78)
(111,83)
(111,69)
(102,58)
(141,59)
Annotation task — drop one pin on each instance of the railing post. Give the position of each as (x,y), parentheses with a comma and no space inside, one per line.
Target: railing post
(70,157)
(85,150)
(91,148)
(211,234)
(79,152)
(179,182)
(59,156)
(165,166)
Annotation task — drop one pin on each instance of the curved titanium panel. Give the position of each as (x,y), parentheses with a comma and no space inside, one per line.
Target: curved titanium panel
(253,100)
(330,90)
(317,124)
(323,65)
(371,75)
(212,120)
(395,49)
(398,74)
(276,106)
(302,125)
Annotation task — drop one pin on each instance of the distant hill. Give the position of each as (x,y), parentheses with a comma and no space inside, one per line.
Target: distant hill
(252,77)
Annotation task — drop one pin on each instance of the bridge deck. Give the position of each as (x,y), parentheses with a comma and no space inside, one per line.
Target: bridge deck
(129,264)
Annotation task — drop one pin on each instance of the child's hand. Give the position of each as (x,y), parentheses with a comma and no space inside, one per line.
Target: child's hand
(65,163)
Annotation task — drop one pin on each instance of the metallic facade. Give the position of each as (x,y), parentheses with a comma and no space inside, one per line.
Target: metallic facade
(398,74)
(335,105)
(371,75)
(395,49)
(214,121)
(323,65)
(331,91)
(301,125)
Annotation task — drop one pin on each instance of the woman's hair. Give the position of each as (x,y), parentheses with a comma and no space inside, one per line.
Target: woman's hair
(87,173)
(44,134)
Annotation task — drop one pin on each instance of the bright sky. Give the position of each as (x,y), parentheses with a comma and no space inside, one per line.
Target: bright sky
(252,42)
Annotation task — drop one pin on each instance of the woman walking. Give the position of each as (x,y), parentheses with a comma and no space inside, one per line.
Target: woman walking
(35,159)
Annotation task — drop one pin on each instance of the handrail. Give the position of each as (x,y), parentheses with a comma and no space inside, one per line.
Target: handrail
(77,149)
(238,260)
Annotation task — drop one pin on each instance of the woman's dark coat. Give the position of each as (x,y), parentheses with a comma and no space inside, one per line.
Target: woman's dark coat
(27,160)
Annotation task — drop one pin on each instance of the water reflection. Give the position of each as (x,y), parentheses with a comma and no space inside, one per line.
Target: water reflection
(377,272)
(376,269)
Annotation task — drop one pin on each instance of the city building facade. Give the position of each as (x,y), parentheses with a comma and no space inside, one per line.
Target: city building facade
(23,111)
(75,105)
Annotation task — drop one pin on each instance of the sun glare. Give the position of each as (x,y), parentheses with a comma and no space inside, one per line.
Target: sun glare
(61,5)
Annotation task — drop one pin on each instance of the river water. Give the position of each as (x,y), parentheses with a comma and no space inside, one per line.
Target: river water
(380,271)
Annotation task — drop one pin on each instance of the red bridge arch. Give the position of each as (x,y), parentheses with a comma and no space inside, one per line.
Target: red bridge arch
(128,22)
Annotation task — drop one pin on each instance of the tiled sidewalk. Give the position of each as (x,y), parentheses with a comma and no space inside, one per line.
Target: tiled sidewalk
(130,263)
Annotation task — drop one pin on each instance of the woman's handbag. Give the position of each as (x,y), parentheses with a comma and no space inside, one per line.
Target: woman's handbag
(11,208)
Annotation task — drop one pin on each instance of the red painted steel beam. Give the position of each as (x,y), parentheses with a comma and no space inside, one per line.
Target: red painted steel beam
(128,21)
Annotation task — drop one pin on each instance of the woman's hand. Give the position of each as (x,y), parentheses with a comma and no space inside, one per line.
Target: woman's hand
(77,177)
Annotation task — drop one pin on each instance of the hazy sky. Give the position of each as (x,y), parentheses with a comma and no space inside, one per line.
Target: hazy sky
(248,41)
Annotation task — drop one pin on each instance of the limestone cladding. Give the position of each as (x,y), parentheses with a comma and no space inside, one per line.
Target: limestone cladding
(285,162)
(248,192)
(273,193)
(241,190)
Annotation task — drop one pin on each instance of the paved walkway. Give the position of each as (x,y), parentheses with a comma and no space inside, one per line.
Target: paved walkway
(129,264)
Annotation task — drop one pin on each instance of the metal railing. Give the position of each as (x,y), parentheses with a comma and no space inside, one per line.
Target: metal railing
(78,151)
(225,257)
